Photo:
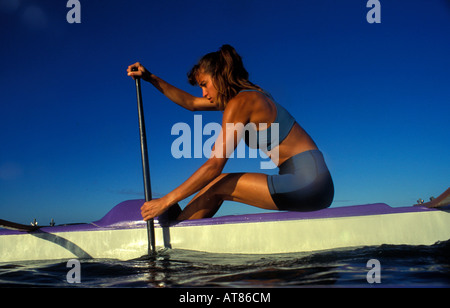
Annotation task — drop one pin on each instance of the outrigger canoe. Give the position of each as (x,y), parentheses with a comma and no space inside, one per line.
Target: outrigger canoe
(121,233)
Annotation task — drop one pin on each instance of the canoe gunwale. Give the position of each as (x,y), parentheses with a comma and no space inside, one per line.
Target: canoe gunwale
(126,215)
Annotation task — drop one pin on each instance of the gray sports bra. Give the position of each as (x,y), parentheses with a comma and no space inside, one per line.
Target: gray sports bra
(285,123)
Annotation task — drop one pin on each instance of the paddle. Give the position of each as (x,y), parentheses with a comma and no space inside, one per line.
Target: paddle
(145,165)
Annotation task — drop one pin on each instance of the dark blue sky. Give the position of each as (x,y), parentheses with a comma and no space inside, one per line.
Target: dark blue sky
(375,97)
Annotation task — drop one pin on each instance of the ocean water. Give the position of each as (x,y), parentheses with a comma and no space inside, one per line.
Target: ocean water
(398,266)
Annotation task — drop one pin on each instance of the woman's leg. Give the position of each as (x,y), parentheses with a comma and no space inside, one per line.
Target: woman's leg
(248,188)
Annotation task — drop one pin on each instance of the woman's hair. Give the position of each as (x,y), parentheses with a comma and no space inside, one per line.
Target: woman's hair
(227,71)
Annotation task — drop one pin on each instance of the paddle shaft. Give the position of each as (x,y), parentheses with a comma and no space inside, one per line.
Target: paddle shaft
(145,167)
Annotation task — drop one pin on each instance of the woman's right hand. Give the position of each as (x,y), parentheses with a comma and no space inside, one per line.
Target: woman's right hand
(137,70)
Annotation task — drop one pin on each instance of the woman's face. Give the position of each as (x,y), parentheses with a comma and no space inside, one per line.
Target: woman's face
(206,83)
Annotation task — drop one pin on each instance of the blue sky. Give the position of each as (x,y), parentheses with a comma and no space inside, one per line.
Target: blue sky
(375,97)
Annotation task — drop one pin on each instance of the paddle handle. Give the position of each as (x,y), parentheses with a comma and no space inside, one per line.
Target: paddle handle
(145,165)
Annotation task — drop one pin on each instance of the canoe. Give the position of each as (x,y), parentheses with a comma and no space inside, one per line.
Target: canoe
(121,233)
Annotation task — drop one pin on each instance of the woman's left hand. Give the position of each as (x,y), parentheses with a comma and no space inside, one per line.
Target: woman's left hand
(153,208)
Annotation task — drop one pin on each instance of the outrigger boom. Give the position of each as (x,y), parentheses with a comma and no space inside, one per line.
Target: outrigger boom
(121,233)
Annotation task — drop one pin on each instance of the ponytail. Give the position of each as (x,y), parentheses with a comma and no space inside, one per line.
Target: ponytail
(228,73)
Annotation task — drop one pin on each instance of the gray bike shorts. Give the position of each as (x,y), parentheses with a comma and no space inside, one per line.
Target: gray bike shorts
(303,183)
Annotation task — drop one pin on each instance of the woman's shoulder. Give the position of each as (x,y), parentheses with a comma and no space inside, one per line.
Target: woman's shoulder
(252,105)
(250,97)
(245,100)
(254,93)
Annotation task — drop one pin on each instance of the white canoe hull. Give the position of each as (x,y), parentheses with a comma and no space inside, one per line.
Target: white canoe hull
(121,235)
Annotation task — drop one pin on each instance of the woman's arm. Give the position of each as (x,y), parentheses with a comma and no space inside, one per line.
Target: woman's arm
(225,144)
(176,95)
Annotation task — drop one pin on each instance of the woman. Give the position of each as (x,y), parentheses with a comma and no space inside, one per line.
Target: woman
(303,183)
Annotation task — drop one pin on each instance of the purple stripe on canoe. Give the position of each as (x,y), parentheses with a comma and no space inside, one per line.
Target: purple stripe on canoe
(130,211)
(347,211)
(127,215)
